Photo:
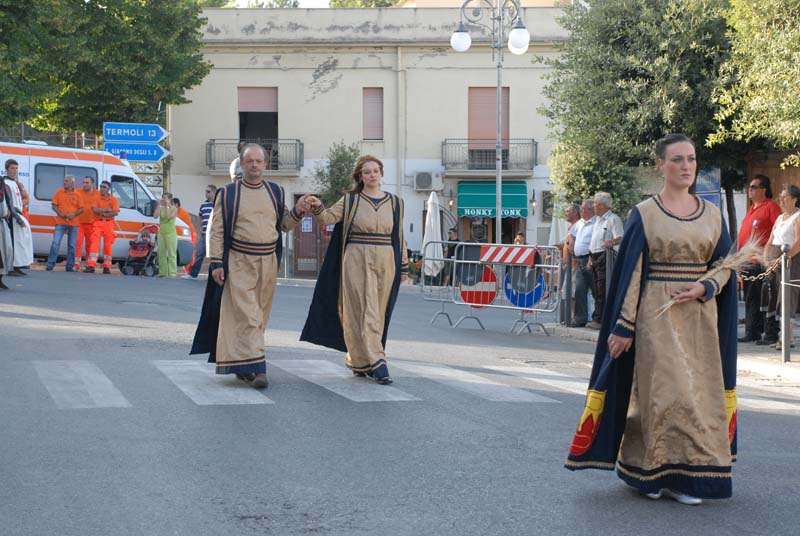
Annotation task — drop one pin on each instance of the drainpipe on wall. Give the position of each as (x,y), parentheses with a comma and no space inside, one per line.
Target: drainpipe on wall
(400,144)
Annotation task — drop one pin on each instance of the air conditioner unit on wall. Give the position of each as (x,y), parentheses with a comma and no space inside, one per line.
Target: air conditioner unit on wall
(425,181)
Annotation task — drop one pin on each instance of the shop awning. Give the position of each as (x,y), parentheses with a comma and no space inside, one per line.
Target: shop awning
(477,199)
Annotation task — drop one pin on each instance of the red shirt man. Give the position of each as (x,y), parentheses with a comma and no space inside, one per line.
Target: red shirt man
(758,222)
(761,214)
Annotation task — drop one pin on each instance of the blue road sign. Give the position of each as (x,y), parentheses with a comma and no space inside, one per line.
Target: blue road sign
(529,294)
(137,152)
(134,132)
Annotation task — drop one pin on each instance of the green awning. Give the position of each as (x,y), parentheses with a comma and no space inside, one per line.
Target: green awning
(478,199)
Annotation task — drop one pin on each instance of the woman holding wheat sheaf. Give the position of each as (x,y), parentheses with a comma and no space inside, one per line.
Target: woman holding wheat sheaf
(661,405)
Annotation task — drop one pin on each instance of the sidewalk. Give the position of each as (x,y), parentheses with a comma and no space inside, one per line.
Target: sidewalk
(756,359)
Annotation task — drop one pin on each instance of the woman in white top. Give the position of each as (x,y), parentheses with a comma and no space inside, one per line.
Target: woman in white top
(785,231)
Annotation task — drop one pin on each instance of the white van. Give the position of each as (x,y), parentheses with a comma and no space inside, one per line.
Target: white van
(41,171)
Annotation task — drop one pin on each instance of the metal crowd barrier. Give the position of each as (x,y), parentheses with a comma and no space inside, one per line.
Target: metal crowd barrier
(524,278)
(787,337)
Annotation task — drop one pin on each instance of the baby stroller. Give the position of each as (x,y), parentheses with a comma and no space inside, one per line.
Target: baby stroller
(142,258)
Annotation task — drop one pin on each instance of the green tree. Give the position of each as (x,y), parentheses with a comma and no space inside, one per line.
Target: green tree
(761,99)
(334,176)
(139,54)
(363,3)
(630,72)
(38,44)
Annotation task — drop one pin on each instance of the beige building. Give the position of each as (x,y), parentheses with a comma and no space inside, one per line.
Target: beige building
(387,79)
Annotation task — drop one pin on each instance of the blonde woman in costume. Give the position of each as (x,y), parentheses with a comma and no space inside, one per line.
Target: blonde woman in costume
(661,406)
(359,280)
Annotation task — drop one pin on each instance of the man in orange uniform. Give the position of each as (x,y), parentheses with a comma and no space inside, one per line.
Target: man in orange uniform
(67,207)
(88,196)
(184,216)
(106,209)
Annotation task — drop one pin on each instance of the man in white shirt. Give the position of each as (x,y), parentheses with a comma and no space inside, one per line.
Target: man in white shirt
(606,235)
(580,237)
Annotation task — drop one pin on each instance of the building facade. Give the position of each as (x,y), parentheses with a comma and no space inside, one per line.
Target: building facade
(299,80)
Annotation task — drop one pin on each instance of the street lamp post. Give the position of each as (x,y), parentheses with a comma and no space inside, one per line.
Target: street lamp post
(497,16)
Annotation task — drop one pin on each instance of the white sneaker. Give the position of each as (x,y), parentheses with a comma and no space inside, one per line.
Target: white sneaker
(683,499)
(655,496)
(187,276)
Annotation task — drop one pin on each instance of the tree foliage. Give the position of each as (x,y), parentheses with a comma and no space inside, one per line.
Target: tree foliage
(334,176)
(630,72)
(761,99)
(69,65)
(363,3)
(39,43)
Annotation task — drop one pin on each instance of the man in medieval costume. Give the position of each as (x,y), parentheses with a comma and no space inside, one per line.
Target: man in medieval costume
(244,249)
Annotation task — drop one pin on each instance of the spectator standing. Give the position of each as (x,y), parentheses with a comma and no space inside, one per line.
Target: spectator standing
(6,244)
(22,237)
(105,211)
(786,231)
(581,234)
(606,236)
(758,223)
(88,196)
(449,253)
(186,218)
(67,207)
(205,213)
(167,237)
(235,170)
(519,239)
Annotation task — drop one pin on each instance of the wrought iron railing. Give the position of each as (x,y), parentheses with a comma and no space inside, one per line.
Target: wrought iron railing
(479,154)
(282,155)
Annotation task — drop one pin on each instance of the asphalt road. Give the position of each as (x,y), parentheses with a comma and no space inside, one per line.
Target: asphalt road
(110,427)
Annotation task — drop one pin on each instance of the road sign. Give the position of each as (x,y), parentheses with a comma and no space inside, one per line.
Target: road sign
(507,254)
(529,294)
(134,132)
(136,152)
(147,167)
(153,180)
(481,293)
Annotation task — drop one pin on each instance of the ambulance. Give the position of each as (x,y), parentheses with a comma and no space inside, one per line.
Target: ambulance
(41,170)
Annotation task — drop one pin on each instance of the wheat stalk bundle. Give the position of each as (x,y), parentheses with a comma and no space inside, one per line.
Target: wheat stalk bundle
(749,253)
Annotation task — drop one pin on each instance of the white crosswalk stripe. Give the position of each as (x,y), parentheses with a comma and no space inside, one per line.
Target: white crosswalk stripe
(79,384)
(547,377)
(338,379)
(199,382)
(471,383)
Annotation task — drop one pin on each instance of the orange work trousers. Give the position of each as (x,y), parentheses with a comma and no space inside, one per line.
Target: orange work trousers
(102,230)
(85,233)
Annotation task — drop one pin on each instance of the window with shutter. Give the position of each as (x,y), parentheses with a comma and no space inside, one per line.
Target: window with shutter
(373,113)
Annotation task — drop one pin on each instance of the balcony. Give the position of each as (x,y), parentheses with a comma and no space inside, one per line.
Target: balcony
(284,157)
(476,157)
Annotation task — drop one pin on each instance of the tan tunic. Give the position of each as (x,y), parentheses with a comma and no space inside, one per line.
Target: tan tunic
(250,279)
(677,412)
(368,272)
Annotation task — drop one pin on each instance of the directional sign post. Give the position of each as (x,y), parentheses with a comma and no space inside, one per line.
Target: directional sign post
(134,132)
(136,152)
(135,142)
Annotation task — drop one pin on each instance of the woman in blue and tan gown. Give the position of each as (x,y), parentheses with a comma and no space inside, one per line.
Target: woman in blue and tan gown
(359,280)
(661,406)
